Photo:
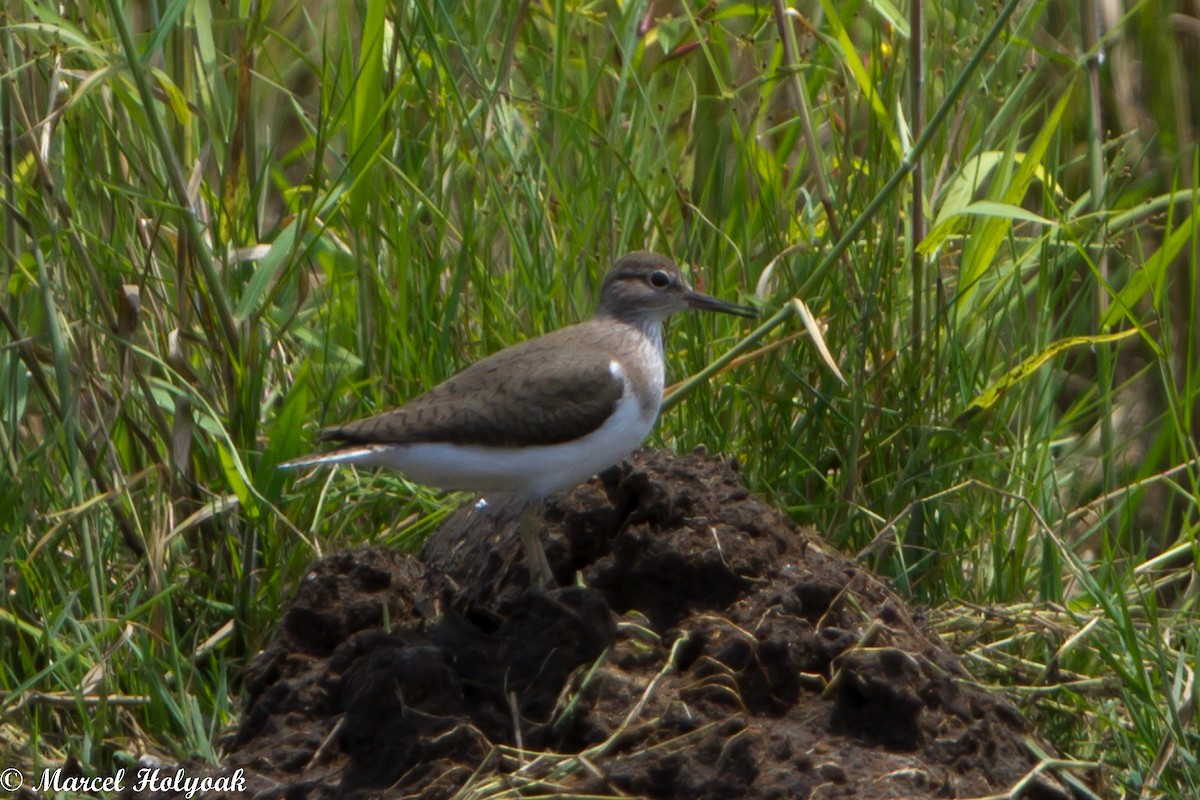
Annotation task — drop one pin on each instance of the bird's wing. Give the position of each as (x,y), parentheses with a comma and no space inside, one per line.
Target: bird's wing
(527,394)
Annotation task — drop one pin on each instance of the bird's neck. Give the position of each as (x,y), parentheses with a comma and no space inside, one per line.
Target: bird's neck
(648,326)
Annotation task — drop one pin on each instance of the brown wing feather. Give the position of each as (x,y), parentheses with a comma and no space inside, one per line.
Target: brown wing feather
(487,402)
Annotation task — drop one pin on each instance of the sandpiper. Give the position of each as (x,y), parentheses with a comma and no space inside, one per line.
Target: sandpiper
(543,415)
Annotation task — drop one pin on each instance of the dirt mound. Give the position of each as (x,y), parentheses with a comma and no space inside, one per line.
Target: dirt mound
(707,649)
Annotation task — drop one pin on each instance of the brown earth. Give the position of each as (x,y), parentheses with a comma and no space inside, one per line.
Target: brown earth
(703,647)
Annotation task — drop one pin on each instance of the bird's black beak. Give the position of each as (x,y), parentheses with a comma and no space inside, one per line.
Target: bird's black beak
(705,302)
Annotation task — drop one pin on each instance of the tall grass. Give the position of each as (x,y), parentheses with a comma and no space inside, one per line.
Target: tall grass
(227,225)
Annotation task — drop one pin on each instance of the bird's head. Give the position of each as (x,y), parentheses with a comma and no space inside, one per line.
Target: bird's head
(645,287)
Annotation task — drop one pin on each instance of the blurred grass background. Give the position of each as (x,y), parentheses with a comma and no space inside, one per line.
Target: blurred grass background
(228,224)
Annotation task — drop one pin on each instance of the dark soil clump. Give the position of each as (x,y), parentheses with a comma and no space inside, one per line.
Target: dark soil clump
(703,648)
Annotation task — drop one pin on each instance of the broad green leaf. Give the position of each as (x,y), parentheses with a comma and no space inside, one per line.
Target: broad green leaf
(983,208)
(235,476)
(206,44)
(962,188)
(1151,275)
(284,433)
(853,61)
(175,98)
(956,200)
(985,241)
(265,272)
(739,10)
(1028,366)
(55,27)
(368,105)
(991,208)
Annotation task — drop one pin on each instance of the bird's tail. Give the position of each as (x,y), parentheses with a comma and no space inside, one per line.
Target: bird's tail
(350,454)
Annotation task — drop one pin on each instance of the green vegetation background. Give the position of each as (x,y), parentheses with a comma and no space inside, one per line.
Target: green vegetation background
(228,223)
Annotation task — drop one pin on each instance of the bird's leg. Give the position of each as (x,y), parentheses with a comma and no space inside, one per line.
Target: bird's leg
(540,575)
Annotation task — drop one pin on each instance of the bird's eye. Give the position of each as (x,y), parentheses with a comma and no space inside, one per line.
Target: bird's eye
(660,279)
